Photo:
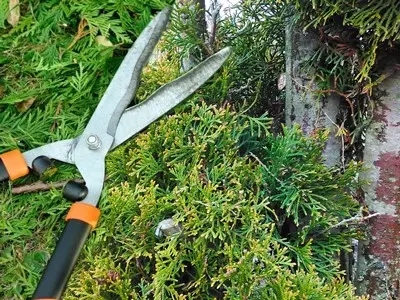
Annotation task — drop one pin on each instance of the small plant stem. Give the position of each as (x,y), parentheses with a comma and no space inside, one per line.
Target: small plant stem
(40,186)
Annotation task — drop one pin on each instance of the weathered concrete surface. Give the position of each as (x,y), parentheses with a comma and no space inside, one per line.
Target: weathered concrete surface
(379,266)
(302,107)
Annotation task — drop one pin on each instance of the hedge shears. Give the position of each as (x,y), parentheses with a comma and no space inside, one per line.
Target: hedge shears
(111,124)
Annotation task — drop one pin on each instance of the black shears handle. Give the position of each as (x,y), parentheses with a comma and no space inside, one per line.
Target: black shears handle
(81,219)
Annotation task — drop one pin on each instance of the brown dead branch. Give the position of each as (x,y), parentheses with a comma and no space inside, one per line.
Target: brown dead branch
(40,186)
(81,33)
(55,123)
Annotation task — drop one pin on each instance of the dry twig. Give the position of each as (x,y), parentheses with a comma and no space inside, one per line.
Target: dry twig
(355,220)
(40,186)
(81,33)
(58,110)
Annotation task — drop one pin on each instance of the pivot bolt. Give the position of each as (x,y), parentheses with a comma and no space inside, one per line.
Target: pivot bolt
(93,142)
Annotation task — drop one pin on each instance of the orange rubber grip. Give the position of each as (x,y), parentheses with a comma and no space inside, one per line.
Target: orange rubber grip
(84,212)
(15,164)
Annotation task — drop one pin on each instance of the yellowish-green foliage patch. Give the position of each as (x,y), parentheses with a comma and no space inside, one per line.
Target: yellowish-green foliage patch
(257,229)
(193,167)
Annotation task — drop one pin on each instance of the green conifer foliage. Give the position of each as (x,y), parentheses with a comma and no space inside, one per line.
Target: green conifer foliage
(257,212)
(60,57)
(230,209)
(255,31)
(365,25)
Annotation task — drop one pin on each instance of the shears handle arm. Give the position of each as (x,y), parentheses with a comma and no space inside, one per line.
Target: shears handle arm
(12,165)
(81,219)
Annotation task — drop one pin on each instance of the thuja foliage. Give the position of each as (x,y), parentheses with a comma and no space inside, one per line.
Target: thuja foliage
(357,29)
(255,31)
(195,167)
(257,212)
(57,61)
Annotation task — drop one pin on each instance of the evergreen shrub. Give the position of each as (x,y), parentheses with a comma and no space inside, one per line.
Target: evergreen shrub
(196,168)
(256,212)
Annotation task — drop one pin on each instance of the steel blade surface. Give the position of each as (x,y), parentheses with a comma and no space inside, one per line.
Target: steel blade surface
(98,136)
(138,117)
(61,150)
(124,84)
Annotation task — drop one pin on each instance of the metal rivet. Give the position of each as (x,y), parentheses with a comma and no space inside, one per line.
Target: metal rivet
(93,142)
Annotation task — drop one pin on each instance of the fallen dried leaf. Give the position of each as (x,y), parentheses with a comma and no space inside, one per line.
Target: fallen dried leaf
(102,40)
(282,81)
(14,15)
(25,105)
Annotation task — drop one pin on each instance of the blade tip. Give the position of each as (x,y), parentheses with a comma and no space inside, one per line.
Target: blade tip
(166,11)
(225,52)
